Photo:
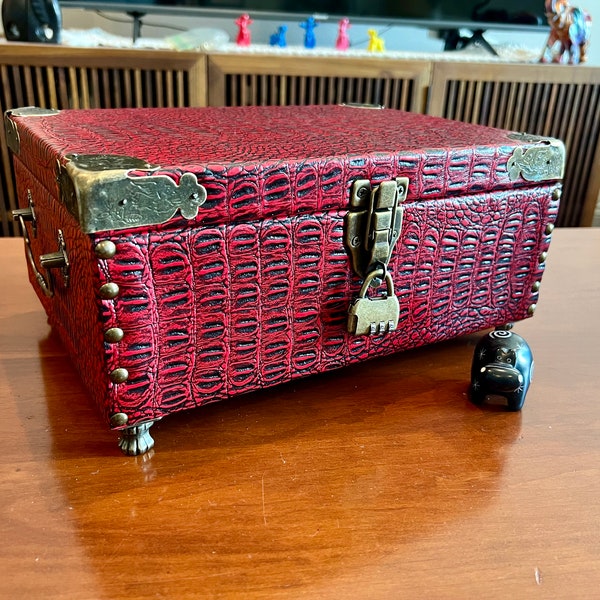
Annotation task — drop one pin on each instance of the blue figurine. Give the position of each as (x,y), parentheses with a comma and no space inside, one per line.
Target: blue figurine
(278,38)
(309,37)
(502,366)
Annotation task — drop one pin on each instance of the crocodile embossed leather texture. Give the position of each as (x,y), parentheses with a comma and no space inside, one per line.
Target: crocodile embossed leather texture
(255,290)
(217,311)
(73,311)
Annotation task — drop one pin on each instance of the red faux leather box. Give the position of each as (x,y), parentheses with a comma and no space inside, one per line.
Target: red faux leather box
(189,255)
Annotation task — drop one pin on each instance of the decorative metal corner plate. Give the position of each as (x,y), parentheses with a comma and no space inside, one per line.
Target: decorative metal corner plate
(13,141)
(366,105)
(33,111)
(103,194)
(543,162)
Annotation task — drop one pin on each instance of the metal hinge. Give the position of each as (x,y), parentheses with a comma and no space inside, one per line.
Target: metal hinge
(373,226)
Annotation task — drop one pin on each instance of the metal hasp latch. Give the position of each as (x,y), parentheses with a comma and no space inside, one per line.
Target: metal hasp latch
(372,228)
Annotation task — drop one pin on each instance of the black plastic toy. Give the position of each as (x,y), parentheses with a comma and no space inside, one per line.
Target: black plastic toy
(502,367)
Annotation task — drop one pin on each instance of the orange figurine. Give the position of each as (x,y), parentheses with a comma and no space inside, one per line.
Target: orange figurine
(569,35)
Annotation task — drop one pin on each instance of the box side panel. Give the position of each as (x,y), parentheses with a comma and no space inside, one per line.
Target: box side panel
(73,310)
(226,309)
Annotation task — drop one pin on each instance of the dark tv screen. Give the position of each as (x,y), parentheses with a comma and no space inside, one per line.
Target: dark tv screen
(434,14)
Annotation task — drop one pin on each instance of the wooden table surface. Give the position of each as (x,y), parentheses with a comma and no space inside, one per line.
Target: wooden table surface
(378,481)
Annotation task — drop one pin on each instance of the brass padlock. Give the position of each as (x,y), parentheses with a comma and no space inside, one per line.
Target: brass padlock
(374,316)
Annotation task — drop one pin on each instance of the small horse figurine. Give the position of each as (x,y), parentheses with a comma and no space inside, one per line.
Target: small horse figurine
(278,38)
(343,39)
(310,40)
(569,35)
(244,36)
(376,43)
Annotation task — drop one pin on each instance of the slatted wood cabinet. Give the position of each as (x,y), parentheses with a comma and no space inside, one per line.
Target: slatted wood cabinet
(560,101)
(290,80)
(548,100)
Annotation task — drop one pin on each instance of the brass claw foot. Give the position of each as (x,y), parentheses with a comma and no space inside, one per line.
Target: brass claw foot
(137,439)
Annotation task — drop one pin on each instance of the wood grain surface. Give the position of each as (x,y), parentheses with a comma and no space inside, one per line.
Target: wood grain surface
(378,481)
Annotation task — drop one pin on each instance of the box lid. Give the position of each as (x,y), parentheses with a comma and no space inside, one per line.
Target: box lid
(124,168)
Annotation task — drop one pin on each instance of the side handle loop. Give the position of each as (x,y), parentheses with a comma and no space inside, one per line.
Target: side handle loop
(53,260)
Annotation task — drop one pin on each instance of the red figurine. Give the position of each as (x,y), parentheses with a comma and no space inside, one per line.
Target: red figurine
(569,35)
(243,37)
(343,41)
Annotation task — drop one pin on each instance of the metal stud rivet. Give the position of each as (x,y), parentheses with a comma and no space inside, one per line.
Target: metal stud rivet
(549,228)
(118,420)
(543,256)
(105,249)
(109,290)
(535,287)
(119,375)
(556,194)
(113,335)
(531,309)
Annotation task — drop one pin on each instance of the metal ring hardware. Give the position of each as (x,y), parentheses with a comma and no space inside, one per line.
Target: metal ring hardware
(53,260)
(375,278)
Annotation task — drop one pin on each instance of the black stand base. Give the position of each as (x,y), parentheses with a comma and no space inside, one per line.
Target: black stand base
(137,24)
(454,41)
